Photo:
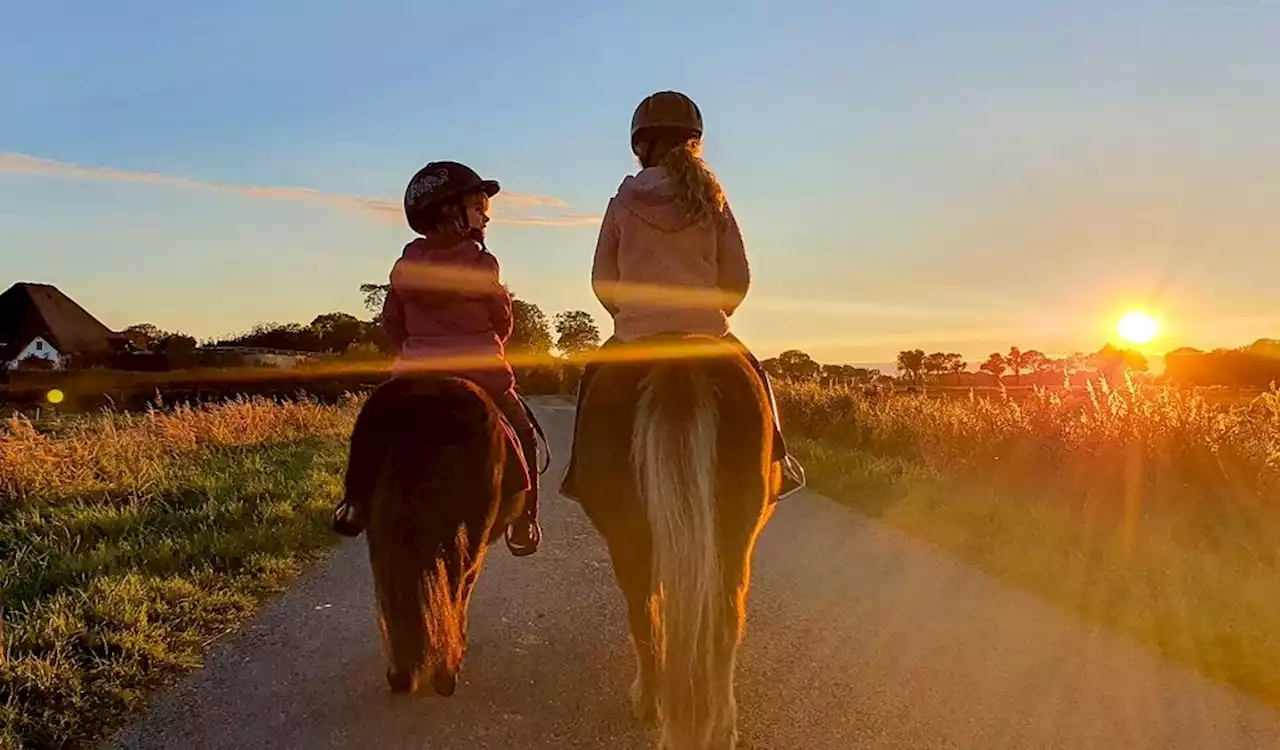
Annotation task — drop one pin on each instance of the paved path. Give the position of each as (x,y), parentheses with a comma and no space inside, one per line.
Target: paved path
(858,638)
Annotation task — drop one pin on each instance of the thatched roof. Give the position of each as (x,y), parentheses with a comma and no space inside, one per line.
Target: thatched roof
(30,310)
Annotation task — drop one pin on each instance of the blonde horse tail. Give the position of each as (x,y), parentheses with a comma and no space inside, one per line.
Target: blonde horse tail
(674,443)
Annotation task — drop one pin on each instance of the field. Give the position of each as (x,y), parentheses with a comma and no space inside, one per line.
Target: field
(129,541)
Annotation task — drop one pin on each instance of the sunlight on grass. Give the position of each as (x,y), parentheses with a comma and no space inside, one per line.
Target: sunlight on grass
(1148,511)
(128,542)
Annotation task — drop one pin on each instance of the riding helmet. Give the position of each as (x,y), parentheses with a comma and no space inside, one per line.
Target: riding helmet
(667,110)
(440,181)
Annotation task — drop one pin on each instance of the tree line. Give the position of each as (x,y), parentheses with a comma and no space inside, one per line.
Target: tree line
(573,332)
(1109,361)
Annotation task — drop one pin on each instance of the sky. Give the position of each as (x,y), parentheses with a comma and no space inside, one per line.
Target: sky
(949,176)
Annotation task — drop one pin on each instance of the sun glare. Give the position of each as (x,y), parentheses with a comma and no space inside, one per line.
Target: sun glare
(1137,327)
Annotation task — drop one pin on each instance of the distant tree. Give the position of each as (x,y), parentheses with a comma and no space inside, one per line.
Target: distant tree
(933,364)
(143,336)
(833,373)
(911,364)
(1075,362)
(1035,361)
(292,336)
(953,363)
(531,333)
(1265,348)
(1256,365)
(995,366)
(848,374)
(1113,362)
(794,364)
(1017,362)
(176,343)
(576,332)
(373,335)
(178,350)
(337,331)
(374,296)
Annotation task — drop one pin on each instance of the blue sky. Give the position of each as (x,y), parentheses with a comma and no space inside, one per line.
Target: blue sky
(955,176)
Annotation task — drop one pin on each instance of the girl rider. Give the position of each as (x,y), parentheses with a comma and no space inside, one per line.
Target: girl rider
(446,301)
(670,227)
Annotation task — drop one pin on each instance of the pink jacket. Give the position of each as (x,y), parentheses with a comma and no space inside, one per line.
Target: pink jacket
(656,271)
(445,302)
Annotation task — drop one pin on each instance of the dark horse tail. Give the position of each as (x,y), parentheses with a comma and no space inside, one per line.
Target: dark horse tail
(674,443)
(426,453)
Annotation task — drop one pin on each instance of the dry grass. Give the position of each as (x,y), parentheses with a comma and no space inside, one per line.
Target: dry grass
(1150,510)
(129,541)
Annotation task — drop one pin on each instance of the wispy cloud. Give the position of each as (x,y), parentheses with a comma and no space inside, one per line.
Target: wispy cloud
(509,207)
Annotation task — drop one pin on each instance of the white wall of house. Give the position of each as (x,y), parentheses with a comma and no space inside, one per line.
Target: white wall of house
(39,348)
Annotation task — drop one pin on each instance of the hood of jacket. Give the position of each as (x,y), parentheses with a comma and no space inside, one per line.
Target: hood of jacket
(651,195)
(437,249)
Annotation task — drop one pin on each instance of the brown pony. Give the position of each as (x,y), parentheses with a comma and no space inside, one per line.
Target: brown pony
(429,464)
(675,470)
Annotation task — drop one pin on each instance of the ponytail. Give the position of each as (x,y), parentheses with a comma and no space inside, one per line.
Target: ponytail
(697,189)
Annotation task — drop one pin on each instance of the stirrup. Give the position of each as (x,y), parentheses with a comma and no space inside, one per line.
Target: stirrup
(792,469)
(524,550)
(346,520)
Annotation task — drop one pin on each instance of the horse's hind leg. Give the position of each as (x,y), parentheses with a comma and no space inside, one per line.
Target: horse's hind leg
(724,665)
(629,551)
(643,703)
(400,623)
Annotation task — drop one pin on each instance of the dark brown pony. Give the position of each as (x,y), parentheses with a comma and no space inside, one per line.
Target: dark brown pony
(675,470)
(429,456)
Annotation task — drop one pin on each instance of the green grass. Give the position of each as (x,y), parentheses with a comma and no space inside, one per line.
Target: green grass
(1142,511)
(129,543)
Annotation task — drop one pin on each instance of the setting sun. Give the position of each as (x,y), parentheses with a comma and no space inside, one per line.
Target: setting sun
(1137,327)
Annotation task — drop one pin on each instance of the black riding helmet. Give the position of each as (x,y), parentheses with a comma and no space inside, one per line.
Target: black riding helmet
(436,183)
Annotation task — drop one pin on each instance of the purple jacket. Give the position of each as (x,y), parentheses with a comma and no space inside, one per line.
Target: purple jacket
(446,304)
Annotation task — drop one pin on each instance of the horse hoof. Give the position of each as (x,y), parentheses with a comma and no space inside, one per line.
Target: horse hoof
(445,683)
(642,705)
(401,682)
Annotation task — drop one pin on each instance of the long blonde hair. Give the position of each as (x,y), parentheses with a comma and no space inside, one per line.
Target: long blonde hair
(698,189)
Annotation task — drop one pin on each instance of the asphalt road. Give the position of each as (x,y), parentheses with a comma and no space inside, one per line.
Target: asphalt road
(858,637)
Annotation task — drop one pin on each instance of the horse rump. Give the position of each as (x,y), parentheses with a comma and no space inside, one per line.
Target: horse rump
(701,456)
(427,455)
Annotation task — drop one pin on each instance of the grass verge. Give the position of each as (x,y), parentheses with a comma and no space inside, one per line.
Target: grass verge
(128,543)
(1182,555)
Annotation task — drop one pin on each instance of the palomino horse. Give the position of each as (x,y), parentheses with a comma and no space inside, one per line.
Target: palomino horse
(429,465)
(675,470)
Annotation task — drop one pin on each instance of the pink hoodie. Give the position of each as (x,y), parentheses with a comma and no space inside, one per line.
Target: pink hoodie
(656,271)
(446,301)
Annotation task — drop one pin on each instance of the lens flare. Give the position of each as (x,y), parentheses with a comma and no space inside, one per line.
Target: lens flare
(55,396)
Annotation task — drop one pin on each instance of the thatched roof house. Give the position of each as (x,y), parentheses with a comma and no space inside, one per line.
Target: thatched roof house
(38,323)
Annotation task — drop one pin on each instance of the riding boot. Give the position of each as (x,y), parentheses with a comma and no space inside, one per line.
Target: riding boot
(524,535)
(368,446)
(793,475)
